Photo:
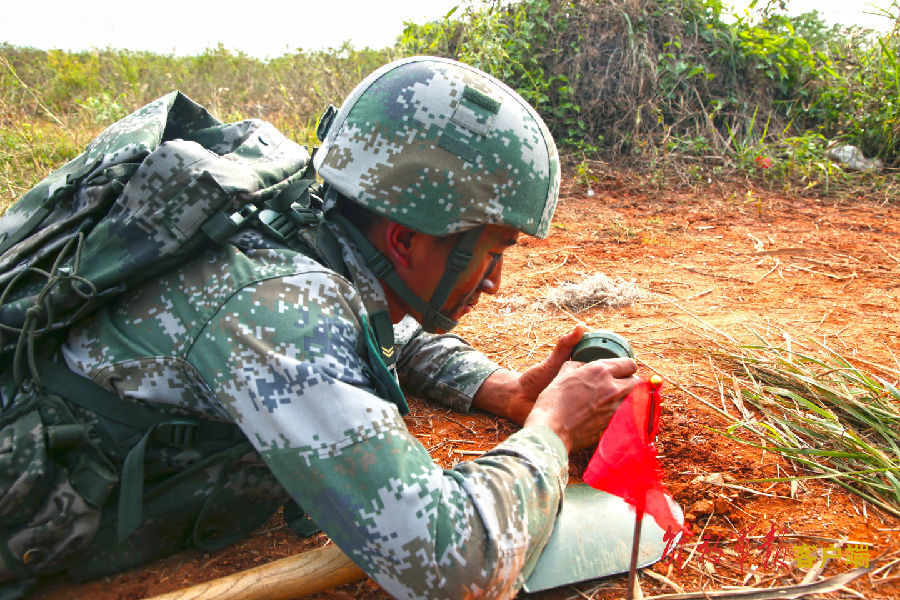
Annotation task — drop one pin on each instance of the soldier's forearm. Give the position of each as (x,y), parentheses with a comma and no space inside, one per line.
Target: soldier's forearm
(444,369)
(499,395)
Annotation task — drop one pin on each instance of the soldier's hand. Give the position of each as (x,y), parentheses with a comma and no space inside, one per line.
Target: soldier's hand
(512,395)
(536,379)
(579,403)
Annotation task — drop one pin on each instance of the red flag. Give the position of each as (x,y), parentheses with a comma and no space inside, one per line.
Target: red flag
(625,462)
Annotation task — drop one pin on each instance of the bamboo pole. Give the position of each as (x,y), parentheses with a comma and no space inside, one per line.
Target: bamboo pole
(284,579)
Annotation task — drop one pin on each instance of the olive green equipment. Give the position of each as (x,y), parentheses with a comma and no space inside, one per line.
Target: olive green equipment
(600,345)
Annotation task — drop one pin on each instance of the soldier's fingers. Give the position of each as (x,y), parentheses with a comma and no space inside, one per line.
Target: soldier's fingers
(617,367)
(564,346)
(569,366)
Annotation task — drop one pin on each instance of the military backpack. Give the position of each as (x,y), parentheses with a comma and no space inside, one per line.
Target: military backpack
(147,194)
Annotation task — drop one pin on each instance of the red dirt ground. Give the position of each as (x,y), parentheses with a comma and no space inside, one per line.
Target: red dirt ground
(728,255)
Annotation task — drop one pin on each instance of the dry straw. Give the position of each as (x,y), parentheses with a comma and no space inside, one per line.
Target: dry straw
(595,290)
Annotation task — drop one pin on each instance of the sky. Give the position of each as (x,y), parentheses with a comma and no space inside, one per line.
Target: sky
(266,28)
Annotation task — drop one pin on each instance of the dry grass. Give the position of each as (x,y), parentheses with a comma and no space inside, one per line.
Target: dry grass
(834,417)
(595,290)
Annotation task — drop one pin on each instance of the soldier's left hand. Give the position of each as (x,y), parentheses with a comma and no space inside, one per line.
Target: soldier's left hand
(512,395)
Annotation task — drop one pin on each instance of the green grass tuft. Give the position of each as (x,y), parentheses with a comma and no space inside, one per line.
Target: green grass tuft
(834,418)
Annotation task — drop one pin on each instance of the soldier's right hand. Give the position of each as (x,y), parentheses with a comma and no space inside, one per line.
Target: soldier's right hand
(579,403)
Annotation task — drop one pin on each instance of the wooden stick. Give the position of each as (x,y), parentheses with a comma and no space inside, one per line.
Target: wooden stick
(635,544)
(663,579)
(284,579)
(792,591)
(470,452)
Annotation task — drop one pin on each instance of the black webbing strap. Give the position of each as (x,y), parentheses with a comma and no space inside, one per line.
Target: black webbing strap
(328,249)
(383,269)
(164,429)
(457,263)
(94,397)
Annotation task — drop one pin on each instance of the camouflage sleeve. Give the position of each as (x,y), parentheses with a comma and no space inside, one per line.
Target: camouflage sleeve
(283,357)
(442,368)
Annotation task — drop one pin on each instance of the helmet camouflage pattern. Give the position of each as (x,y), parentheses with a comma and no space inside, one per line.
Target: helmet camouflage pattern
(442,147)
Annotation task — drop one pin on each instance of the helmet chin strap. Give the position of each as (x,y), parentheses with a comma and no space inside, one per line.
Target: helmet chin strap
(432,317)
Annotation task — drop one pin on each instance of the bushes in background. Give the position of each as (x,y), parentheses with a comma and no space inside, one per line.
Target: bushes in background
(683,77)
(645,82)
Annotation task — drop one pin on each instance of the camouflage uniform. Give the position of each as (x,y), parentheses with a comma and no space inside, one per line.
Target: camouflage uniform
(271,340)
(275,342)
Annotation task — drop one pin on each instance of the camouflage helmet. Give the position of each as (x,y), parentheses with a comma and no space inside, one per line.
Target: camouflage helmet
(441,147)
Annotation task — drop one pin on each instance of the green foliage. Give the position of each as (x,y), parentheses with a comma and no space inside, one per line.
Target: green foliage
(861,103)
(53,102)
(684,77)
(510,42)
(690,145)
(105,109)
(584,174)
(832,418)
(103,84)
(28,152)
(780,54)
(644,81)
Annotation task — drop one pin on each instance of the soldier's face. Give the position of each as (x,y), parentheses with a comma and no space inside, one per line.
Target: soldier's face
(483,275)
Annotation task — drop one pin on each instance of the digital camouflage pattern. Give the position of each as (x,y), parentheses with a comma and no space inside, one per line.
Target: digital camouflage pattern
(273,341)
(159,178)
(144,195)
(46,521)
(253,334)
(441,147)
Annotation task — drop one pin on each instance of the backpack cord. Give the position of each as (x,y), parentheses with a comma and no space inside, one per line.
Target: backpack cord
(42,309)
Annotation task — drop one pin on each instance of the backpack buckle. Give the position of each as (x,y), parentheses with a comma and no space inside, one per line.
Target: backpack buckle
(278,225)
(222,224)
(305,216)
(325,122)
(380,265)
(177,434)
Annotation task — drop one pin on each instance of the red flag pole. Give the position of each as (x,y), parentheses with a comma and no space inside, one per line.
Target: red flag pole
(632,570)
(655,384)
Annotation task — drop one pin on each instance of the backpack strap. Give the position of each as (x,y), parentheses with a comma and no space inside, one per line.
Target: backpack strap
(93,397)
(156,427)
(8,239)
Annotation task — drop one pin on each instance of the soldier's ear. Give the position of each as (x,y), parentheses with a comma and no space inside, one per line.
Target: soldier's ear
(398,242)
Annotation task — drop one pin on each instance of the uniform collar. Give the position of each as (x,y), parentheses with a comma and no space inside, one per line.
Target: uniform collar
(365,282)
